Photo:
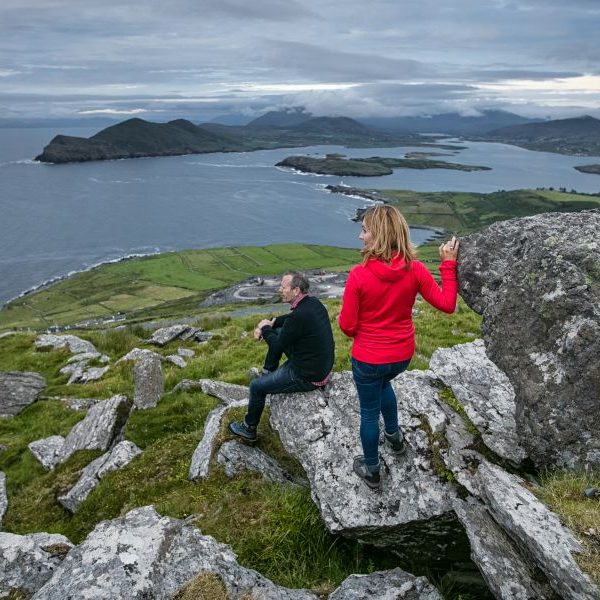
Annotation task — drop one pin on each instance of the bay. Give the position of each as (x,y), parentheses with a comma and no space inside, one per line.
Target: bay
(56,219)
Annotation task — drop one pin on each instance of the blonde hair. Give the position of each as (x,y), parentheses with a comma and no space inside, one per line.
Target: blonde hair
(390,235)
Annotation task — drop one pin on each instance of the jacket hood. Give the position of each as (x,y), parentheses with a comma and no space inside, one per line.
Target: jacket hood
(393,272)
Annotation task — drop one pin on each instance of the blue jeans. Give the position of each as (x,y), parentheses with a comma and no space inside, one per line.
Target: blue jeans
(376,396)
(282,381)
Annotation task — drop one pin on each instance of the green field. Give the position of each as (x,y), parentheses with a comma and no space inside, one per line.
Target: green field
(164,285)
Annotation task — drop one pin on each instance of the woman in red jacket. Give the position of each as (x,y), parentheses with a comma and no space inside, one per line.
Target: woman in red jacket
(377,314)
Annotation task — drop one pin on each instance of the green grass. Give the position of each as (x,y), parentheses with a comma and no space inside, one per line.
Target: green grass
(165,284)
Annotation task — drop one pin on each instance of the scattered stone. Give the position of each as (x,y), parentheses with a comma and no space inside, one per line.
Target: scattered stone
(18,390)
(148,382)
(190,333)
(122,454)
(3,497)
(185,352)
(536,282)
(508,576)
(204,449)
(386,585)
(534,527)
(484,392)
(143,555)
(138,354)
(85,357)
(47,450)
(203,336)
(163,336)
(101,428)
(225,392)
(321,429)
(87,375)
(235,457)
(79,403)
(72,342)
(28,561)
(176,360)
(187,385)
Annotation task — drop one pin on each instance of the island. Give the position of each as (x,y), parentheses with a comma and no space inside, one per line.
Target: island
(375,166)
(594,169)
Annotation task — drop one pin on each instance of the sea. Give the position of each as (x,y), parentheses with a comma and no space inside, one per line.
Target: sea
(60,219)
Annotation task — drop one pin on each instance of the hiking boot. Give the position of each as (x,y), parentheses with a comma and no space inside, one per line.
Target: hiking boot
(396,442)
(243,431)
(372,479)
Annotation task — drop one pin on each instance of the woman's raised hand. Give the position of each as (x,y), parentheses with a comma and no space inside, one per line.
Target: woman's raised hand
(449,250)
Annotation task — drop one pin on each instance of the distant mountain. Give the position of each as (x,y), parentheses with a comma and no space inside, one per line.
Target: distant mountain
(135,138)
(280,119)
(334,126)
(579,135)
(448,123)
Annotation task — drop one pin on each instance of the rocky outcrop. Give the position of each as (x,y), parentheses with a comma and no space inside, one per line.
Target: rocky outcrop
(18,390)
(143,555)
(139,354)
(236,457)
(101,428)
(148,382)
(484,392)
(321,430)
(161,337)
(3,497)
(28,561)
(536,281)
(122,454)
(395,584)
(75,344)
(225,392)
(177,360)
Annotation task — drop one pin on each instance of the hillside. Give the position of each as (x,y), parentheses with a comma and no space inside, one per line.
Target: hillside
(580,135)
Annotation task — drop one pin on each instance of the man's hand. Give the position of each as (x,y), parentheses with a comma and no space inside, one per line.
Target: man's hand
(263,323)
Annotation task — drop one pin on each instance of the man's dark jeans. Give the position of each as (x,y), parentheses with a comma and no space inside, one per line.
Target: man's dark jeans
(376,396)
(281,381)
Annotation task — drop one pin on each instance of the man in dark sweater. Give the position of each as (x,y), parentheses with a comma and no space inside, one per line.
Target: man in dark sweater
(304,335)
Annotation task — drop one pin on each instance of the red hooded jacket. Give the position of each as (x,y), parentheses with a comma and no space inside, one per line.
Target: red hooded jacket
(378,302)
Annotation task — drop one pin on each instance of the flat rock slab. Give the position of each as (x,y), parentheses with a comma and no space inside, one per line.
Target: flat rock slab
(164,335)
(225,392)
(138,354)
(143,555)
(28,561)
(236,456)
(537,530)
(536,281)
(507,574)
(148,382)
(75,344)
(200,464)
(122,454)
(321,428)
(485,393)
(177,360)
(18,390)
(386,585)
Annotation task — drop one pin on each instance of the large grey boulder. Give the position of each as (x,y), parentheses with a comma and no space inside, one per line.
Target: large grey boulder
(164,335)
(321,428)
(225,392)
(143,555)
(536,281)
(386,585)
(122,454)
(28,561)
(148,382)
(18,390)
(75,344)
(3,497)
(236,457)
(139,354)
(484,392)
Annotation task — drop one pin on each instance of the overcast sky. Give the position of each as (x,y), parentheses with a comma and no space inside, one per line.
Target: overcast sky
(160,59)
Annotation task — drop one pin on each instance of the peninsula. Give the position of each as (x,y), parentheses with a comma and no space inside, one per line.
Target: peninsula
(375,166)
(594,169)
(136,138)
